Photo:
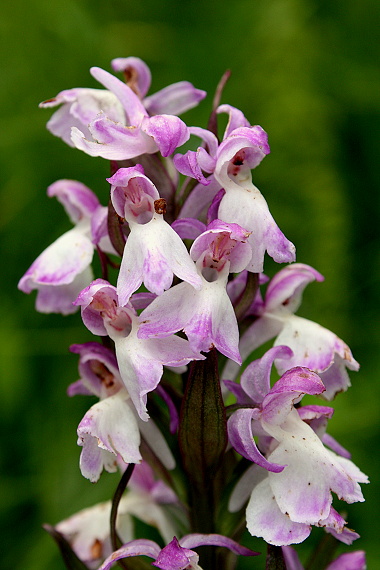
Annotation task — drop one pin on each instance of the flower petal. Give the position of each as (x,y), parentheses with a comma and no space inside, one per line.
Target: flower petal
(174,99)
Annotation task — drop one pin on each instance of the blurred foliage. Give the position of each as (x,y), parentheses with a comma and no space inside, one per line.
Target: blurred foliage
(308,72)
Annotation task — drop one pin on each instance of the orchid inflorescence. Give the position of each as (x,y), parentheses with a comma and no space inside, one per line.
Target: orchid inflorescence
(206,446)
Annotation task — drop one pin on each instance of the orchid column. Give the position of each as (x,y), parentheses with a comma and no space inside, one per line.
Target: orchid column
(204,442)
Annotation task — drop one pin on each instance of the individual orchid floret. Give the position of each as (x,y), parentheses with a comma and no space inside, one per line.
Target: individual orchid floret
(290,488)
(194,162)
(88,531)
(63,269)
(153,251)
(206,315)
(140,361)
(178,554)
(313,346)
(139,135)
(172,100)
(348,561)
(111,428)
(230,163)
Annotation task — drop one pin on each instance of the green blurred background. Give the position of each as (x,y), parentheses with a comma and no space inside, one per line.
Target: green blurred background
(308,72)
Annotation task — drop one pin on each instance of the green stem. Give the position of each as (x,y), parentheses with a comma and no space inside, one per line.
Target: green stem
(115,539)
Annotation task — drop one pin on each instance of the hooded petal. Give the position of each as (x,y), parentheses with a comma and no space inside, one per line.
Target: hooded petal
(167,131)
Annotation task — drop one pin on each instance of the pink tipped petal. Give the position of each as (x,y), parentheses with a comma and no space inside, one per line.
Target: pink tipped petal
(136,71)
(141,363)
(188,165)
(79,107)
(255,379)
(303,488)
(349,561)
(335,446)
(152,254)
(291,558)
(241,438)
(243,488)
(206,316)
(236,119)
(314,347)
(112,140)
(194,540)
(262,330)
(174,99)
(157,442)
(247,207)
(173,413)
(60,263)
(140,301)
(279,401)
(286,287)
(93,459)
(60,299)
(138,547)
(133,107)
(175,557)
(77,199)
(336,378)
(264,519)
(167,131)
(139,371)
